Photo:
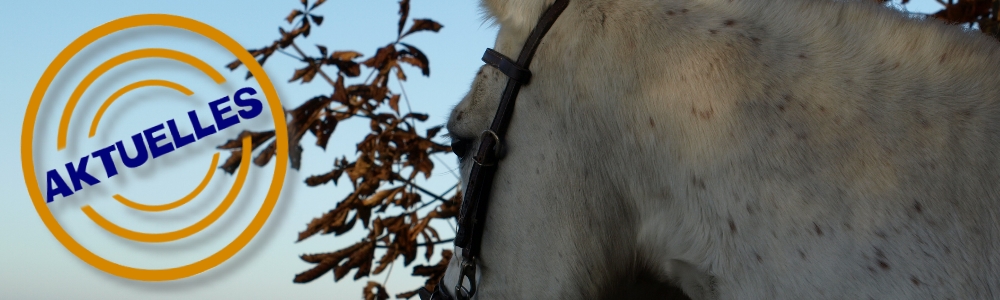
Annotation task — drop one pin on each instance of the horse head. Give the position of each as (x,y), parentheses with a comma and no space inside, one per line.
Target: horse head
(735,149)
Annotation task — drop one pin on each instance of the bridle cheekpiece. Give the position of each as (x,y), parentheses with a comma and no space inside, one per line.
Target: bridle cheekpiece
(472,216)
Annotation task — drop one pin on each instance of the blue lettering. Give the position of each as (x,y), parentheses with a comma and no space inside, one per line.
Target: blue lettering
(151,140)
(220,121)
(255,107)
(248,108)
(106,160)
(200,132)
(80,174)
(179,140)
(140,155)
(52,176)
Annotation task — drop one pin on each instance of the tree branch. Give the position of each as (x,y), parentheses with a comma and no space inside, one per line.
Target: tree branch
(421,244)
(319,70)
(425,191)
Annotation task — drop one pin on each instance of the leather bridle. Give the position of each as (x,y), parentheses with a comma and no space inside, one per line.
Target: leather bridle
(472,216)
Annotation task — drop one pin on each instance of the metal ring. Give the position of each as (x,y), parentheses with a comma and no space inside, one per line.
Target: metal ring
(496,148)
(468,271)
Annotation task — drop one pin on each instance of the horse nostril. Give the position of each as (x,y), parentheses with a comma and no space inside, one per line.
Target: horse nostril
(460,147)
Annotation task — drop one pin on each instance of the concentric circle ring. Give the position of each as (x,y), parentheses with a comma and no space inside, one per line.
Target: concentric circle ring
(27,155)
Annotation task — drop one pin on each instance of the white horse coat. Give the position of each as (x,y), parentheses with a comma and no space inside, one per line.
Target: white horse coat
(737,149)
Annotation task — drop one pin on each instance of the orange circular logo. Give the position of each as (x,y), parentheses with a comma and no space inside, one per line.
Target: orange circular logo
(56,185)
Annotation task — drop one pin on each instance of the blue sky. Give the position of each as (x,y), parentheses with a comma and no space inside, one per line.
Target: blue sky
(36,266)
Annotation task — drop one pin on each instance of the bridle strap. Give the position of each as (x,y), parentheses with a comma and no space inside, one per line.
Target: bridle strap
(473,213)
(507,66)
(472,216)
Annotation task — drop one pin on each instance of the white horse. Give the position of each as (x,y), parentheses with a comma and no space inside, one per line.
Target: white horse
(741,149)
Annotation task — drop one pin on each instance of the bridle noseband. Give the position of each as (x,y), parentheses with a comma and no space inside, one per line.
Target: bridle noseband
(472,216)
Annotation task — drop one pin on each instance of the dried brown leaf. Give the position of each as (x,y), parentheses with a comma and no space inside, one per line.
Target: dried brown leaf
(380,196)
(418,116)
(413,56)
(377,228)
(387,258)
(316,19)
(433,131)
(394,103)
(399,73)
(304,30)
(306,74)
(323,130)
(406,295)
(322,50)
(378,293)
(434,273)
(404,12)
(324,178)
(364,214)
(265,156)
(256,139)
(233,162)
(418,229)
(235,64)
(381,58)
(422,25)
(317,3)
(291,16)
(344,61)
(345,55)
(329,261)
(327,222)
(429,244)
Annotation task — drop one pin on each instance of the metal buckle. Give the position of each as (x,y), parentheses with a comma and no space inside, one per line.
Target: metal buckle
(468,272)
(497,149)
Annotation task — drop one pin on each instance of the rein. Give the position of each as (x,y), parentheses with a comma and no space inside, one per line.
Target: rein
(472,216)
